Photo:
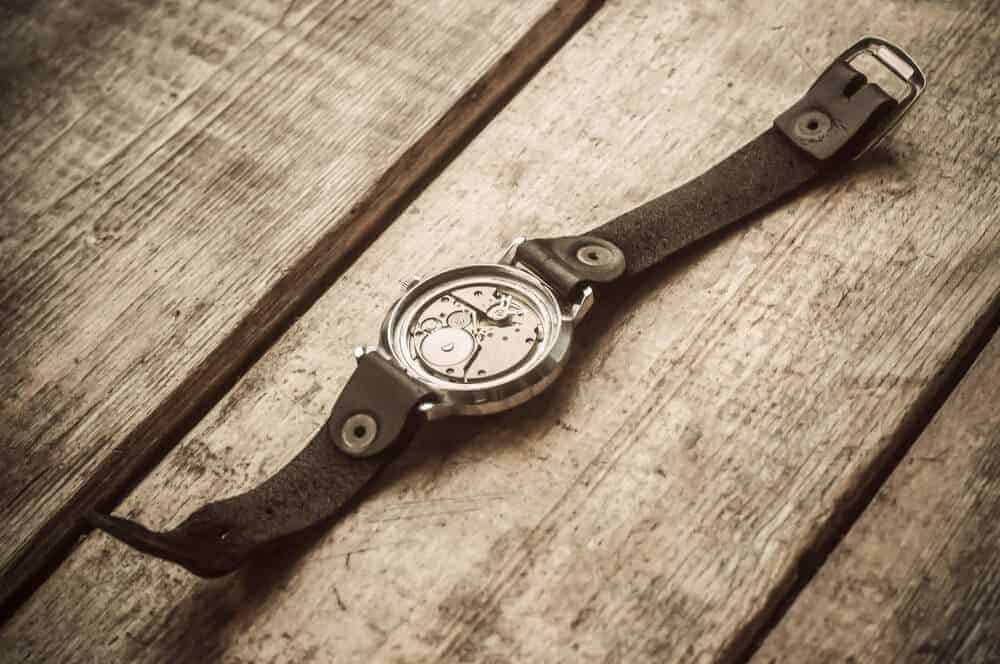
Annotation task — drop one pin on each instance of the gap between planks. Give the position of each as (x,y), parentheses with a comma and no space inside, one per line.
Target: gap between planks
(141,450)
(852,507)
(918,578)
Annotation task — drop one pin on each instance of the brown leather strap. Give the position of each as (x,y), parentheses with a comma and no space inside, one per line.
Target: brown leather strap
(822,129)
(315,485)
(219,537)
(759,173)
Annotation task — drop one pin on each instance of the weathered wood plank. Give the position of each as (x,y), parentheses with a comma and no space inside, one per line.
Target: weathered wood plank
(183,180)
(917,579)
(655,504)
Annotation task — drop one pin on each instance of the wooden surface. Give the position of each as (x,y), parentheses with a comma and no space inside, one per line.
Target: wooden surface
(917,579)
(180,178)
(654,505)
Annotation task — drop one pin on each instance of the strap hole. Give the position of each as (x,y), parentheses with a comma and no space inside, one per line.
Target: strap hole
(595,255)
(358,431)
(812,126)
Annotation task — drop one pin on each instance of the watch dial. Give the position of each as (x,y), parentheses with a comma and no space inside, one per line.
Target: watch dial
(474,327)
(475,333)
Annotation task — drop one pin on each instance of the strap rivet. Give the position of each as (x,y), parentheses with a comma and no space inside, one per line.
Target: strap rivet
(813,125)
(595,255)
(358,432)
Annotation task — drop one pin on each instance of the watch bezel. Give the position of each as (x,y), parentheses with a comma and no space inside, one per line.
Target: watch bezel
(507,393)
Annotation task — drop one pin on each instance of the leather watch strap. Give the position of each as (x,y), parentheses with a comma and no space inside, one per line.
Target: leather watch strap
(825,127)
(761,172)
(219,537)
(840,117)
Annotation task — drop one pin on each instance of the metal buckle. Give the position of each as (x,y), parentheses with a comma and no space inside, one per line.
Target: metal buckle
(899,63)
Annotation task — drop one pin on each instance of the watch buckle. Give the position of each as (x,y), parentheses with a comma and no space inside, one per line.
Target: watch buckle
(897,61)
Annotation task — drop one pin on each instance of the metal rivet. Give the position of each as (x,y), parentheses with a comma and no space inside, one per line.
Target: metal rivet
(595,255)
(359,431)
(813,125)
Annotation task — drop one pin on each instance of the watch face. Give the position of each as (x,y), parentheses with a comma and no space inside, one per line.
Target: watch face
(474,327)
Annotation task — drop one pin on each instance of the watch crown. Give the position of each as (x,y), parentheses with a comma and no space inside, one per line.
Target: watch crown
(407,284)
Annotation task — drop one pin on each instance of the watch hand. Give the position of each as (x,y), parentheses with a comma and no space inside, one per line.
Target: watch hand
(475,354)
(503,322)
(469,305)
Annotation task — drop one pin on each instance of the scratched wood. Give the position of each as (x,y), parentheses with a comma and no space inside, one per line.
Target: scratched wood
(178,178)
(917,579)
(714,419)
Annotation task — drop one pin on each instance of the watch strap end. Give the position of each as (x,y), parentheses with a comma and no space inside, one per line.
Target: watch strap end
(843,114)
(200,557)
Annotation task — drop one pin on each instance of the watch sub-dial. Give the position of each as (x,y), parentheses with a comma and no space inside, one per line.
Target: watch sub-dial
(446,347)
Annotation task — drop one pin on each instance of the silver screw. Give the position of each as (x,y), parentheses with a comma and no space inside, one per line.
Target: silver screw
(359,432)
(813,125)
(594,255)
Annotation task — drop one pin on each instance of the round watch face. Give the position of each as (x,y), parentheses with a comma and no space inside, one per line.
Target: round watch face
(475,328)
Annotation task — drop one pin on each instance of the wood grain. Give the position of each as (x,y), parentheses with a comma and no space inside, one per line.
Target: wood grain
(155,240)
(917,579)
(715,417)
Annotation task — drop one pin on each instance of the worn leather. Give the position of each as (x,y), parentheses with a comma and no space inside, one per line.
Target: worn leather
(315,485)
(762,172)
(759,173)
(382,390)
(557,260)
(843,108)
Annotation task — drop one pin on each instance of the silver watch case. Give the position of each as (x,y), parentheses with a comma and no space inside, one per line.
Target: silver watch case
(506,392)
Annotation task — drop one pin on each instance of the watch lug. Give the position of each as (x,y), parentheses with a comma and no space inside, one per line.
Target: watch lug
(360,351)
(433,411)
(507,258)
(579,309)
(575,311)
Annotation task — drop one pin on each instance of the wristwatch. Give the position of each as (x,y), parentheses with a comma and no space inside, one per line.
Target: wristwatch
(484,338)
